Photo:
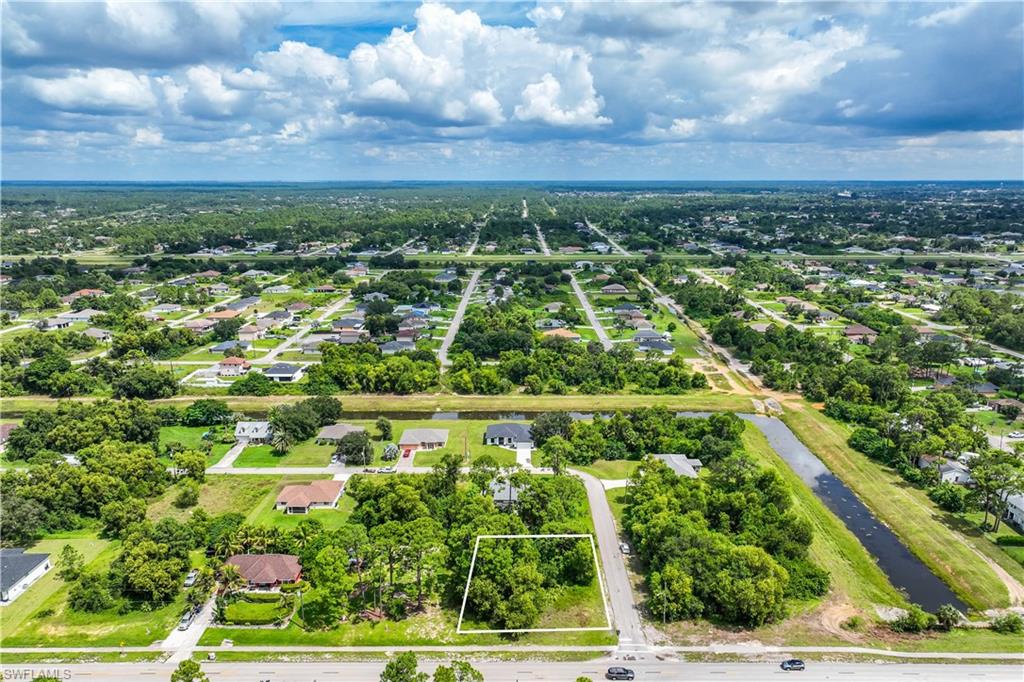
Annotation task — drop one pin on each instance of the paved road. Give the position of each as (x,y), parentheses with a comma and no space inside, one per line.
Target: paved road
(460,312)
(522,671)
(290,342)
(620,593)
(614,244)
(543,242)
(602,335)
(955,331)
(182,642)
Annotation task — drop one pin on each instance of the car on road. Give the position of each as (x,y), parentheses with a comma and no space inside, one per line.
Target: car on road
(186,620)
(190,579)
(370,470)
(387,470)
(1015,434)
(618,673)
(624,547)
(793,664)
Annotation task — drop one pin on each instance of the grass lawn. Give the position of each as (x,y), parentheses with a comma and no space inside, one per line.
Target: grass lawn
(461,433)
(257,611)
(306,453)
(220,494)
(616,469)
(55,624)
(192,437)
(16,613)
(925,530)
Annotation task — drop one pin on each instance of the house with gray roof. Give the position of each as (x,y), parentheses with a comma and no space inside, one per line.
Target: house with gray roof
(19,570)
(681,464)
(508,435)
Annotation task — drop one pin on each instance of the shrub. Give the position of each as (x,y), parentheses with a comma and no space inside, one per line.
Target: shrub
(950,497)
(852,623)
(1010,540)
(188,495)
(1009,624)
(915,619)
(948,617)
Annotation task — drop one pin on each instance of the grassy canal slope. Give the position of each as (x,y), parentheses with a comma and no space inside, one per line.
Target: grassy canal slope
(958,554)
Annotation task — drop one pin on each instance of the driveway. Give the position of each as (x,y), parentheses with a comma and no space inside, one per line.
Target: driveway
(182,642)
(231,455)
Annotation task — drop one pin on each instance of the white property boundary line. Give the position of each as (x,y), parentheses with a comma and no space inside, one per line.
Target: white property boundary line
(600,582)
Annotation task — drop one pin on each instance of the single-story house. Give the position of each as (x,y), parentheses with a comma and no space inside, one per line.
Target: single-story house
(298,307)
(284,372)
(278,317)
(614,289)
(227,314)
(1015,510)
(659,345)
(324,289)
(350,336)
(207,274)
(950,470)
(250,333)
(243,303)
(254,432)
(200,326)
(333,433)
(218,288)
(255,273)
(504,494)
(554,307)
(278,289)
(423,439)
(445,277)
(858,333)
(166,308)
(349,323)
(299,499)
(231,344)
(18,571)
(508,435)
(549,323)
(376,296)
(263,571)
(681,464)
(101,335)
(985,388)
(81,315)
(1007,406)
(233,367)
(401,346)
(647,334)
(51,323)
(562,334)
(639,323)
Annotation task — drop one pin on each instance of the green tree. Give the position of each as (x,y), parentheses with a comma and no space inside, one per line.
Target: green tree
(948,617)
(355,448)
(189,671)
(188,494)
(458,671)
(556,453)
(90,593)
(146,382)
(384,428)
(206,412)
(118,515)
(70,564)
(330,574)
(402,668)
(282,441)
(550,424)
(190,464)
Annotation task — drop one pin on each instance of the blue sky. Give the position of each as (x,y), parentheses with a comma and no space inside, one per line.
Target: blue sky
(511,90)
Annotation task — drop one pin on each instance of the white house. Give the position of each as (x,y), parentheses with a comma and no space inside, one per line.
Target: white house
(283,372)
(254,432)
(299,499)
(1015,510)
(18,571)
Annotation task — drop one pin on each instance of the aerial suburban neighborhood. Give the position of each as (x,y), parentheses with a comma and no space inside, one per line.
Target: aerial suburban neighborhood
(550,341)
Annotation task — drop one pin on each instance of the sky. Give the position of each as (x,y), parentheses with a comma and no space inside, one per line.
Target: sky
(512,91)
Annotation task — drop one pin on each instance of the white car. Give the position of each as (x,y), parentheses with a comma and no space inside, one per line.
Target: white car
(624,548)
(1015,434)
(190,579)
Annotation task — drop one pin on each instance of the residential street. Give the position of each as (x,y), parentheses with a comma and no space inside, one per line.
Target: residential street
(460,312)
(611,242)
(602,335)
(522,671)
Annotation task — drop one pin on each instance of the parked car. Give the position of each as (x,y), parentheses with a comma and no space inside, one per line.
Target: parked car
(624,547)
(369,470)
(387,470)
(186,620)
(793,664)
(617,673)
(190,579)
(1016,434)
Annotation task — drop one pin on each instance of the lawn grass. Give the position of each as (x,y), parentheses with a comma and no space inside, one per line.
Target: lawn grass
(468,434)
(17,612)
(436,402)
(306,453)
(615,470)
(220,494)
(55,624)
(908,512)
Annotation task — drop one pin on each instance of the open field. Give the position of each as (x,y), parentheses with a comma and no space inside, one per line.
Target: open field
(957,557)
(444,402)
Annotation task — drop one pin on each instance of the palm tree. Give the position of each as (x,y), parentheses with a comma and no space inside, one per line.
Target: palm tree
(231,578)
(229,545)
(282,442)
(246,536)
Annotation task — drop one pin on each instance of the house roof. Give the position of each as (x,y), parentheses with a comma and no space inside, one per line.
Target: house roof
(518,432)
(681,464)
(859,330)
(338,431)
(656,344)
(398,346)
(224,315)
(233,360)
(253,429)
(283,368)
(266,569)
(418,436)
(15,564)
(314,492)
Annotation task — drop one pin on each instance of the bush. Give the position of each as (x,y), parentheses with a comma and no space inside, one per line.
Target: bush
(1009,624)
(1010,540)
(855,623)
(915,619)
(950,497)
(188,495)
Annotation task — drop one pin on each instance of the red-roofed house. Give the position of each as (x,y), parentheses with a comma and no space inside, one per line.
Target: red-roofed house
(233,367)
(267,570)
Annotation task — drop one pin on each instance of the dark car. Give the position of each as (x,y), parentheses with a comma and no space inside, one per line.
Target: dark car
(793,664)
(619,674)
